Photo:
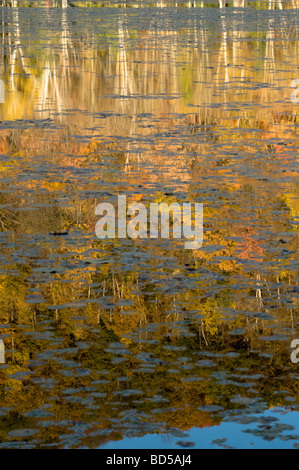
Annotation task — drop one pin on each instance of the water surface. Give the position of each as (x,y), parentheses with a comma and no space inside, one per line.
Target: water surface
(141,342)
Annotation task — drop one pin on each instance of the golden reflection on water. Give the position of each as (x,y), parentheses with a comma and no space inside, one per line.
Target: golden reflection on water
(107,339)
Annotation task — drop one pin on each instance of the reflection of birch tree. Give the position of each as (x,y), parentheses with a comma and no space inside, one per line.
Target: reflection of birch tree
(124,72)
(17,52)
(223,54)
(56,81)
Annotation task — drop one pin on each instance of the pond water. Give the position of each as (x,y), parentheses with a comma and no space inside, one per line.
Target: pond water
(142,343)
